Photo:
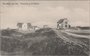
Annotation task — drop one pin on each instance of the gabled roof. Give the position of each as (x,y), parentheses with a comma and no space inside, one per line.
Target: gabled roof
(61,20)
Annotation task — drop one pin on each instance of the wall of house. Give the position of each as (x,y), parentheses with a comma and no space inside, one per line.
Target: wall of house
(24,26)
(65,24)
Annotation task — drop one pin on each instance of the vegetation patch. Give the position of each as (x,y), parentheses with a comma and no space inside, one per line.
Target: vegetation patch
(43,42)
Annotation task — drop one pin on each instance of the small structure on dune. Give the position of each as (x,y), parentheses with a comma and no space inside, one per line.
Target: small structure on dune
(45,26)
(26,27)
(19,25)
(36,27)
(63,24)
(29,26)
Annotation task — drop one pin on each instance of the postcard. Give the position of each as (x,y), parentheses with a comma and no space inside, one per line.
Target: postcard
(44,27)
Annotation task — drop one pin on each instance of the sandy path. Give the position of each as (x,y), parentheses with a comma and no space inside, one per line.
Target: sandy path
(76,35)
(61,35)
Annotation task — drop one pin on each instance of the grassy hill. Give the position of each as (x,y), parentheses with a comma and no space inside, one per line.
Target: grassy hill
(45,41)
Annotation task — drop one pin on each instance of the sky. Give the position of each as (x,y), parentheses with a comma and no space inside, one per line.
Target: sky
(45,13)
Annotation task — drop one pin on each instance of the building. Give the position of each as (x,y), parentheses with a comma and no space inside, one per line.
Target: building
(19,26)
(45,26)
(35,27)
(26,27)
(63,24)
(29,26)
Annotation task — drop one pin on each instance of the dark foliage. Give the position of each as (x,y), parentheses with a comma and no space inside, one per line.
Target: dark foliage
(9,32)
(51,45)
(41,32)
(11,44)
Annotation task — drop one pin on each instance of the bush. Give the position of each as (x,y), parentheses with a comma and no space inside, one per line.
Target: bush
(11,44)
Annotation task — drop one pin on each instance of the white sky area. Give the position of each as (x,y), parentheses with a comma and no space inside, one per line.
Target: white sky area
(46,13)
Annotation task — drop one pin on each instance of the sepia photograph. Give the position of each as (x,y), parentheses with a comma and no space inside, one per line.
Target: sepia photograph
(44,27)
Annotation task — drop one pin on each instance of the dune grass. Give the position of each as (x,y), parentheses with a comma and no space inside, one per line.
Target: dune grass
(42,42)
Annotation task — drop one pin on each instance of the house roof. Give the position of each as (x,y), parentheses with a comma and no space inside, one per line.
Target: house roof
(61,20)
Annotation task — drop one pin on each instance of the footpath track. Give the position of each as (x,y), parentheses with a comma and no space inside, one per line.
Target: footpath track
(76,35)
(67,37)
(61,35)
